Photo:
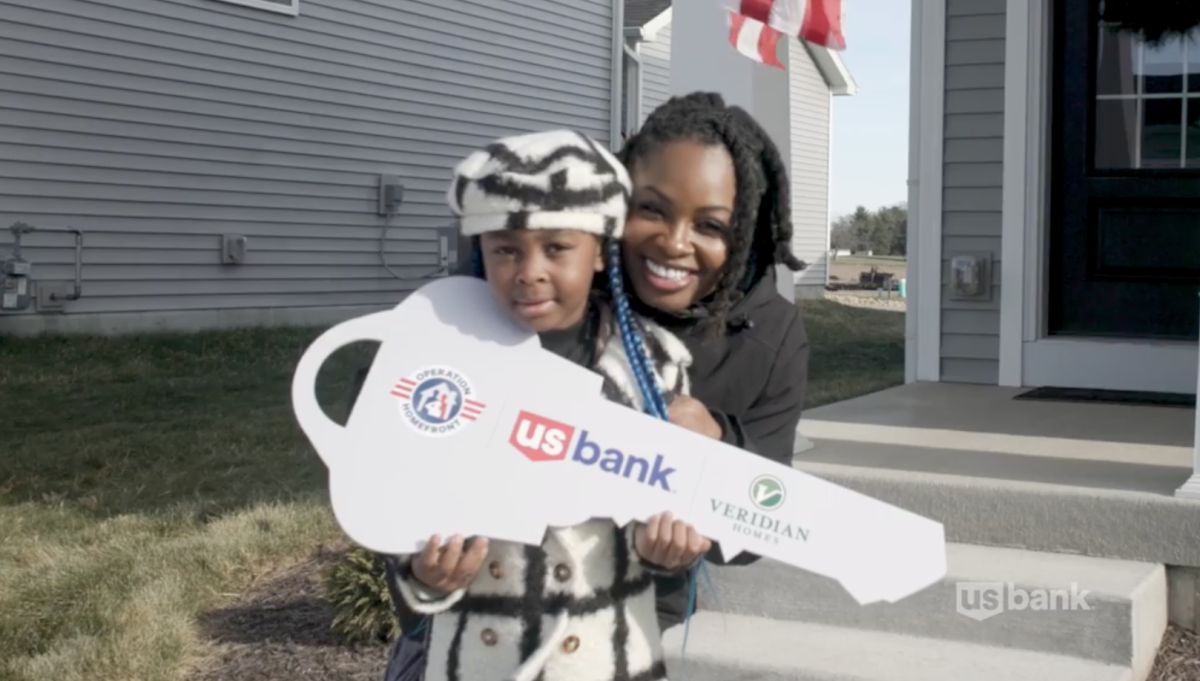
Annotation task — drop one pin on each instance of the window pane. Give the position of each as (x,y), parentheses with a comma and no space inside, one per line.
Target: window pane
(1116,62)
(1116,133)
(1162,141)
(1162,65)
(1193,132)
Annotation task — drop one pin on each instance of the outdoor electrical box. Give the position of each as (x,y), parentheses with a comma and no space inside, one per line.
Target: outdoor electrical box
(15,293)
(16,285)
(233,249)
(971,277)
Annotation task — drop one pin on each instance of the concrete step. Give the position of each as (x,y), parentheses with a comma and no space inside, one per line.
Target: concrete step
(1117,616)
(739,648)
(1036,503)
(1002,510)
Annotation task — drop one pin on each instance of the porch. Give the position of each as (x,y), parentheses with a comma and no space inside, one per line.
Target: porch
(1095,479)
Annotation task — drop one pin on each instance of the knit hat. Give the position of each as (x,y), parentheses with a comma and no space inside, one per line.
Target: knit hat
(559,179)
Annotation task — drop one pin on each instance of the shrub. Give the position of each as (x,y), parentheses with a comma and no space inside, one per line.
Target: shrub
(357,590)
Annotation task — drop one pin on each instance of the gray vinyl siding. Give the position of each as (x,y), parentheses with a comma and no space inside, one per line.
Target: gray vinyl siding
(974,140)
(656,71)
(155,126)
(809,110)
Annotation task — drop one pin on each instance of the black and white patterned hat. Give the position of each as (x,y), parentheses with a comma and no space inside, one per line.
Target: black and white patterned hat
(559,179)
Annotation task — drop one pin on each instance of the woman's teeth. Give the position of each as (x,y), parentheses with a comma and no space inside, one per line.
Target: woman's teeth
(666,272)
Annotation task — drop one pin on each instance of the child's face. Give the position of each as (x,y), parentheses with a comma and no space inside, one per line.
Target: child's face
(675,241)
(542,277)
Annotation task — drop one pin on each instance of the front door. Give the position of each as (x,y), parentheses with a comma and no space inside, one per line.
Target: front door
(1125,196)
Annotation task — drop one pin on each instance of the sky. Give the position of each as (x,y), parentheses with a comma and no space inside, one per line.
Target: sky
(870,127)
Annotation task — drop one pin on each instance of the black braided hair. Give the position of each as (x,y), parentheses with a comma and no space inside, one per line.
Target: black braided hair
(762,216)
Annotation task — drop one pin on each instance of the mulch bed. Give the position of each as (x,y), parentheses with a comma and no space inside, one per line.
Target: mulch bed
(1178,657)
(280,630)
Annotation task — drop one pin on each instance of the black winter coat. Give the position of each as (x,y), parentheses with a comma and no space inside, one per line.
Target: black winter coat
(753,380)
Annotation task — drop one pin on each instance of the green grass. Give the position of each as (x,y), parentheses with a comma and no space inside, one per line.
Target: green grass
(854,351)
(144,480)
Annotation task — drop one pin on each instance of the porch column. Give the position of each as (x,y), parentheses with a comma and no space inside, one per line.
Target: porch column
(703,59)
(1191,488)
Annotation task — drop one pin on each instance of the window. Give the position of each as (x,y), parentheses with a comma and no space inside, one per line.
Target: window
(290,7)
(1147,101)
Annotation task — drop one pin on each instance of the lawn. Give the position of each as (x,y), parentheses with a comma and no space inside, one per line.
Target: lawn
(147,480)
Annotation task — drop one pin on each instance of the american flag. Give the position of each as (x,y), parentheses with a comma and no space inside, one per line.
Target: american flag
(756,26)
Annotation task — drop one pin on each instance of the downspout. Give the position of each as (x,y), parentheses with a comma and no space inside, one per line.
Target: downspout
(615,107)
(913,228)
(633,89)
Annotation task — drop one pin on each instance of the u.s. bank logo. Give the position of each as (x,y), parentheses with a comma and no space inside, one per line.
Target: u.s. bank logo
(979,600)
(437,401)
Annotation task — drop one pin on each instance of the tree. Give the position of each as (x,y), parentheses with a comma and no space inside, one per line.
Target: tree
(883,232)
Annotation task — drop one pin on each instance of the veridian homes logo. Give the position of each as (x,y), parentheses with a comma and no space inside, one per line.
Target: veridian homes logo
(767,492)
(437,401)
(767,495)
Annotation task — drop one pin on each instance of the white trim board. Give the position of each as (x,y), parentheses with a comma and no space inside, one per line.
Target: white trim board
(1019,81)
(926,140)
(1162,366)
(651,28)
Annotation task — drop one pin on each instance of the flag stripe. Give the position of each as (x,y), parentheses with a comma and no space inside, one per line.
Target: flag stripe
(754,39)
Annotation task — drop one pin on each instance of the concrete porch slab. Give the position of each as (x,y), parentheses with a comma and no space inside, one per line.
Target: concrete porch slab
(1096,479)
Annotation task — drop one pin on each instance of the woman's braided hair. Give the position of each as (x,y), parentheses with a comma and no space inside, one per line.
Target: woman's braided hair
(762,215)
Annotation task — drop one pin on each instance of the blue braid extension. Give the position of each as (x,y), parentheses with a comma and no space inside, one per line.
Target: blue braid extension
(631,338)
(652,396)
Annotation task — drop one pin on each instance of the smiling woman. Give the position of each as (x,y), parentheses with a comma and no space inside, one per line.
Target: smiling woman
(709,221)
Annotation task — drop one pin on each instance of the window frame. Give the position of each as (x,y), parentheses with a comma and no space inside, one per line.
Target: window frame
(291,9)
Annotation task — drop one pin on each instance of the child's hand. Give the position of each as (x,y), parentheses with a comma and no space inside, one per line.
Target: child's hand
(668,543)
(689,412)
(448,568)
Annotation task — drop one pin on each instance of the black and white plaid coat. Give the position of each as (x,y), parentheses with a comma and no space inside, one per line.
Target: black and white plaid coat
(579,608)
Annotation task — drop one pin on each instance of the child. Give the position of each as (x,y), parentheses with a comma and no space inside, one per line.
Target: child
(542,211)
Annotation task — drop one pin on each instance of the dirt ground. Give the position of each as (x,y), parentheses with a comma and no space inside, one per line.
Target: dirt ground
(847,269)
(280,631)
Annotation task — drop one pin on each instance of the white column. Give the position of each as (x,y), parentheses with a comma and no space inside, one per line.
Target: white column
(703,59)
(1191,488)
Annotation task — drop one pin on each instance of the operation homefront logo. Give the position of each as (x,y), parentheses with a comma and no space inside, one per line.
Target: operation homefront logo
(984,600)
(767,494)
(436,401)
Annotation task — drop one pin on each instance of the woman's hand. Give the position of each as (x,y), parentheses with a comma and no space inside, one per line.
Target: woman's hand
(448,568)
(691,413)
(668,543)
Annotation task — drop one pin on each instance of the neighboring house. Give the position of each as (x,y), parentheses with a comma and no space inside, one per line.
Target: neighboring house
(157,127)
(815,75)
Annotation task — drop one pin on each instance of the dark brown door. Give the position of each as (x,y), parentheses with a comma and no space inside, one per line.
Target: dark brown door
(1125,191)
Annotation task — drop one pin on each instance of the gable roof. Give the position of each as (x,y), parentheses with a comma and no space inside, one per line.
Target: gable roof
(639,12)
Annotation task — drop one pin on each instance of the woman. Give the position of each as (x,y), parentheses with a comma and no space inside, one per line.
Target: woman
(709,220)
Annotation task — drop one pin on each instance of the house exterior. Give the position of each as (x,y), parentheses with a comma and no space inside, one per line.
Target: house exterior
(158,128)
(814,76)
(1056,160)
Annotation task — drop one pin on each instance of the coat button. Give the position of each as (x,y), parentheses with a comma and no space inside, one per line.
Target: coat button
(489,637)
(496,569)
(570,644)
(562,572)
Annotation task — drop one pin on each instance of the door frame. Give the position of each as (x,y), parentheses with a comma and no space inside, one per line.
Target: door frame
(1028,358)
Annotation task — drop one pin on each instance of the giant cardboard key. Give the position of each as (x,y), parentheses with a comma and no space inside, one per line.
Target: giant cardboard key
(465,425)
